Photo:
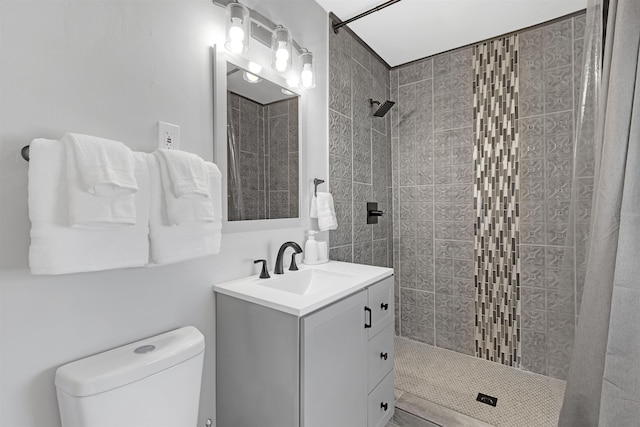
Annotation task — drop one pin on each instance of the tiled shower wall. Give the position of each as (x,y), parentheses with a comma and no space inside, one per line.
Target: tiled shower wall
(434,212)
(267,150)
(432,142)
(359,153)
(432,175)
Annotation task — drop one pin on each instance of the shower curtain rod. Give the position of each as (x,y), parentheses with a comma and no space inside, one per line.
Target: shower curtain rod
(336,25)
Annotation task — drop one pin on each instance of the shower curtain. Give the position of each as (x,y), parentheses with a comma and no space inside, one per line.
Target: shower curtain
(603,385)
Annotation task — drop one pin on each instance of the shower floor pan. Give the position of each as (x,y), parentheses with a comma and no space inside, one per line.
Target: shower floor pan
(438,387)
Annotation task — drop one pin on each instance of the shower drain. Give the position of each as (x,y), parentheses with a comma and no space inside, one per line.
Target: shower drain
(485,398)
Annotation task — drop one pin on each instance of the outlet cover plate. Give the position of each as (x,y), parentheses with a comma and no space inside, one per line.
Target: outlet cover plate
(168,136)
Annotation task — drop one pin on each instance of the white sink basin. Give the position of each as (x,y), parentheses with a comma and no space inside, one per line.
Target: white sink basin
(308,281)
(310,288)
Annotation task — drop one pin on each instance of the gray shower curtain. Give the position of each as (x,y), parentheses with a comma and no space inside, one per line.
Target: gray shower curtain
(603,385)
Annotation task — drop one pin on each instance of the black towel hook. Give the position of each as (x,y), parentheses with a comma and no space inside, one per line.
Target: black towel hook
(316,182)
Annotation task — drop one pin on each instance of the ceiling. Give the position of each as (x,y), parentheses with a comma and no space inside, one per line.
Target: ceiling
(413,29)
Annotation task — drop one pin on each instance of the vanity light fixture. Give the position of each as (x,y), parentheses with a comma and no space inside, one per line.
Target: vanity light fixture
(307,70)
(238,27)
(281,49)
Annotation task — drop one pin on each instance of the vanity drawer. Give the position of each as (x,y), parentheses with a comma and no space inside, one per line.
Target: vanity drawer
(381,305)
(380,356)
(380,405)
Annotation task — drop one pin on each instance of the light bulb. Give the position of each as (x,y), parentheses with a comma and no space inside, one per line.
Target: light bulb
(236,33)
(281,64)
(236,46)
(282,54)
(251,78)
(254,68)
(306,76)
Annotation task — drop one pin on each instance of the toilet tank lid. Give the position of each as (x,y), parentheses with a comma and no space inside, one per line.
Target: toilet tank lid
(129,363)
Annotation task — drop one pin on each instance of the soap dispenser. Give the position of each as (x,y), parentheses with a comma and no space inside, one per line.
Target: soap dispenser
(311,248)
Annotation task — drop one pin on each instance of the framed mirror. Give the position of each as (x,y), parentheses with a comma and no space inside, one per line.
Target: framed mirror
(257,139)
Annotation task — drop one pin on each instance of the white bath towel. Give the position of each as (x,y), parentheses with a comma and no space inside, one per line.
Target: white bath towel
(313,211)
(187,174)
(57,248)
(169,243)
(326,213)
(87,209)
(105,167)
(183,210)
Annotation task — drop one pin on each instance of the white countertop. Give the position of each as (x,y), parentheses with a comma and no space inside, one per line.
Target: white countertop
(328,283)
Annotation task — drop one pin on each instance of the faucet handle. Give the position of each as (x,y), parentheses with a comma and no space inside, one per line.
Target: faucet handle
(293,266)
(264,274)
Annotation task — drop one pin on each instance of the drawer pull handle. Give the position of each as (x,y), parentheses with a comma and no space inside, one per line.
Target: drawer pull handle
(367,325)
(384,356)
(384,306)
(384,406)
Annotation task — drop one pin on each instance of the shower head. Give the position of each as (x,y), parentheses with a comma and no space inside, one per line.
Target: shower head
(382,109)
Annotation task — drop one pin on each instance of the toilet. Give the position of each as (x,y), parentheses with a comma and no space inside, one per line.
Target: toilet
(150,383)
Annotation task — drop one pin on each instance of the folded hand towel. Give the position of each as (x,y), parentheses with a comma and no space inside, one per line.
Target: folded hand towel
(169,244)
(88,211)
(326,213)
(57,248)
(105,167)
(181,211)
(187,174)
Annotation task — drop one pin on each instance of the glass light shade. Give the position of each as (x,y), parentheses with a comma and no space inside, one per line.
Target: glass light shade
(281,49)
(251,78)
(307,71)
(238,28)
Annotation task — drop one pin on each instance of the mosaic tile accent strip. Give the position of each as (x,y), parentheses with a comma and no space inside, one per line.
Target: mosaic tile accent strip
(496,194)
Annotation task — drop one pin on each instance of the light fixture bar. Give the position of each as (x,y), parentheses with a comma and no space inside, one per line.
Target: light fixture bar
(336,25)
(259,20)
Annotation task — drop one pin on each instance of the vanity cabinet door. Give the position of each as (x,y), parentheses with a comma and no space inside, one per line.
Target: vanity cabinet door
(381,305)
(334,365)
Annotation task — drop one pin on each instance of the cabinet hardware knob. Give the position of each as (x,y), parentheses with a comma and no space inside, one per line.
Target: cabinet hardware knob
(384,356)
(384,306)
(384,405)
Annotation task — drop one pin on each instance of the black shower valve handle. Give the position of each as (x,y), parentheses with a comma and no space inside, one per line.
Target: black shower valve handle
(264,274)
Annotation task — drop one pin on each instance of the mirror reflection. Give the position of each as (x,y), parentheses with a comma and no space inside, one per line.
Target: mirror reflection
(262,148)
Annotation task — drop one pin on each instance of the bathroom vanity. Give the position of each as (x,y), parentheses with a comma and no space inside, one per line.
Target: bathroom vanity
(309,348)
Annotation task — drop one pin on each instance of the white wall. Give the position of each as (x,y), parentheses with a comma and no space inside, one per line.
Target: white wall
(113,69)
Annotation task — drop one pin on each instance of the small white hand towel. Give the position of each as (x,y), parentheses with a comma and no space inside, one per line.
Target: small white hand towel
(182,211)
(169,244)
(326,212)
(86,210)
(105,167)
(57,248)
(187,173)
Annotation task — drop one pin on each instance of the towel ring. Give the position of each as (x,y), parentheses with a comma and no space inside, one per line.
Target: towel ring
(316,182)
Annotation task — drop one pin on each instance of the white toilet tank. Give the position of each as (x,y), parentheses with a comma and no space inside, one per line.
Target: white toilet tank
(150,383)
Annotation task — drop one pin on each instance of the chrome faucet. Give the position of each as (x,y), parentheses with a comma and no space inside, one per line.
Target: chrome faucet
(298,250)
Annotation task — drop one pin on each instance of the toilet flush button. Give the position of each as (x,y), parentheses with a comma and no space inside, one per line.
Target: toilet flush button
(144,349)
